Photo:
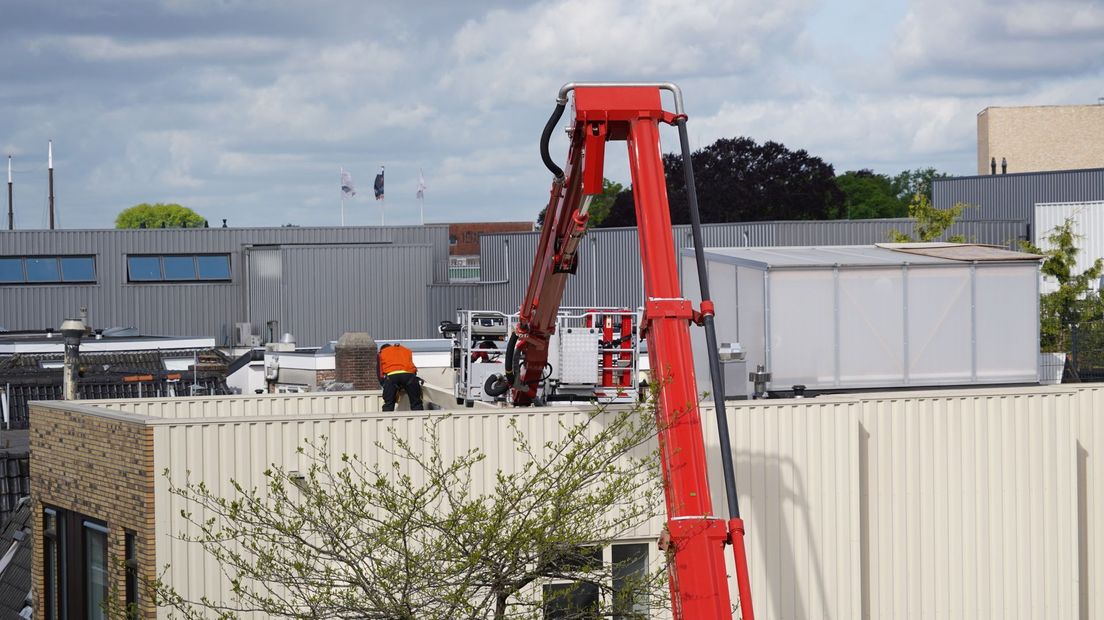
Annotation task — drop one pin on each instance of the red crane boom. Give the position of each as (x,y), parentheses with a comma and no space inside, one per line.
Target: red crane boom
(632,112)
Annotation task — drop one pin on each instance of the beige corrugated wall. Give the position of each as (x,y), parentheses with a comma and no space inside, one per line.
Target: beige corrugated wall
(943,505)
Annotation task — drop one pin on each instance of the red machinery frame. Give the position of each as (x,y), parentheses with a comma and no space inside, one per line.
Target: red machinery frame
(604,112)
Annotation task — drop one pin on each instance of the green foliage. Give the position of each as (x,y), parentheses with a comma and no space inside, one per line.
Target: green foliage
(158,215)
(930,223)
(1074,304)
(912,182)
(420,534)
(868,195)
(599,206)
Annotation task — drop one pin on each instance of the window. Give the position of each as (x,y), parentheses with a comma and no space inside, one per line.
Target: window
(627,567)
(178,268)
(11,270)
(131,589)
(95,569)
(77,269)
(213,267)
(46,269)
(630,575)
(52,564)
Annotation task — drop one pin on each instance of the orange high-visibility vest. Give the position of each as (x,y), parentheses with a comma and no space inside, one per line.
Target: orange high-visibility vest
(396,359)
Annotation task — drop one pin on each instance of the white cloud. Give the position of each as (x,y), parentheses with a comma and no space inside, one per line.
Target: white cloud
(525,55)
(1002,39)
(98,48)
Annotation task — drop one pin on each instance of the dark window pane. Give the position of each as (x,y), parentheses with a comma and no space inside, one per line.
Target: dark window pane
(11,270)
(78,269)
(571,601)
(214,267)
(95,571)
(581,558)
(131,590)
(42,270)
(180,268)
(630,575)
(51,565)
(144,268)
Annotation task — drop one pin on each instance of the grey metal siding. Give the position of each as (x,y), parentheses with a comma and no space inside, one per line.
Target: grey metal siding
(1014,196)
(609,272)
(379,289)
(188,308)
(445,299)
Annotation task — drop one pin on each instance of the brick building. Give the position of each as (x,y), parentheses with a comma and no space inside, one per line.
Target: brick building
(464,265)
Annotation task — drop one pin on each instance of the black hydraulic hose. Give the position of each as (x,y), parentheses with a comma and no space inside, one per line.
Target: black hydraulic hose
(546,135)
(710,329)
(509,358)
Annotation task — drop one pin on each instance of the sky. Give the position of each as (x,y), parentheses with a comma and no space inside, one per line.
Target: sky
(247,110)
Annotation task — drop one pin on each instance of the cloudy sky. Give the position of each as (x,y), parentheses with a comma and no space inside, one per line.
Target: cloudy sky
(248,109)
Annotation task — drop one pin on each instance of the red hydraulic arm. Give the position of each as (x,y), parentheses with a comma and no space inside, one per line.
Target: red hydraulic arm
(604,112)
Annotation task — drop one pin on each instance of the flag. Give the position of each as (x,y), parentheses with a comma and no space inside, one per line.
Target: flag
(421,185)
(379,184)
(347,188)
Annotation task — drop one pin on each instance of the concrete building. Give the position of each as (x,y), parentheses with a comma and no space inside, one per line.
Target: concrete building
(957,504)
(1040,138)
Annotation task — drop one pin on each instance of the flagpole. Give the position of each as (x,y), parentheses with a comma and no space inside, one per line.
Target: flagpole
(11,212)
(50,161)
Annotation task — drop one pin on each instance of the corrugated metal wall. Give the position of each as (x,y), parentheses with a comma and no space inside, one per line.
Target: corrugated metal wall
(208,309)
(609,275)
(956,504)
(1088,219)
(1014,196)
(609,271)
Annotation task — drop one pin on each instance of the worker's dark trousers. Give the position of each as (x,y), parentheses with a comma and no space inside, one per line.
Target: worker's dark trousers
(407,381)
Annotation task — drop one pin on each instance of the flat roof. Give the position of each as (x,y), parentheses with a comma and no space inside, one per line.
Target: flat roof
(881,255)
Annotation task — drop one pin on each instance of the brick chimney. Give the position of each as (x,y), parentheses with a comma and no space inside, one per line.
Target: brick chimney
(356,361)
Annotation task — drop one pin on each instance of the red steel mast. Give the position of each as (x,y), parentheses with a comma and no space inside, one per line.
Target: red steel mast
(632,112)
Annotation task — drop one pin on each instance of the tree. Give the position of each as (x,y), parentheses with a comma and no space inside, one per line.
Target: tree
(1074,305)
(408,539)
(930,223)
(870,195)
(599,206)
(739,180)
(920,181)
(159,215)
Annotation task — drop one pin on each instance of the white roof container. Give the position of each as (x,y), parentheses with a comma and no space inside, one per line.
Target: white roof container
(883,316)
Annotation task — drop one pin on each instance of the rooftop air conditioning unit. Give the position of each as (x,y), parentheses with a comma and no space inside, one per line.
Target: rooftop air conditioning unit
(243,333)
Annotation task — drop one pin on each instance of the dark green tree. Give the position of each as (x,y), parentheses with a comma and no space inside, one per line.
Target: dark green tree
(158,215)
(870,195)
(739,180)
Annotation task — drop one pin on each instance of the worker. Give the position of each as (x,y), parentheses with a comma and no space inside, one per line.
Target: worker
(397,369)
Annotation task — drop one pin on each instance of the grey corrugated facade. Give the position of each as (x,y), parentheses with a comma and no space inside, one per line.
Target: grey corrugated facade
(609,271)
(391,282)
(316,282)
(1014,196)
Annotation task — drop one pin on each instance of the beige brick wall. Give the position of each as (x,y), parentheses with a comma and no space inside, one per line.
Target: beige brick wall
(103,469)
(1041,138)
